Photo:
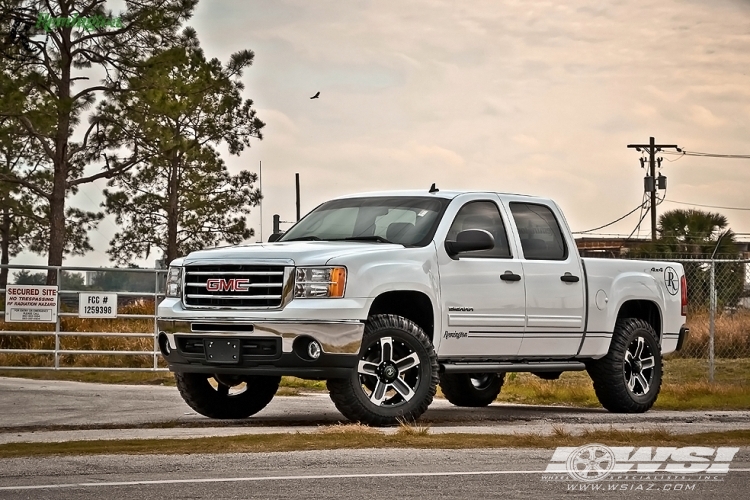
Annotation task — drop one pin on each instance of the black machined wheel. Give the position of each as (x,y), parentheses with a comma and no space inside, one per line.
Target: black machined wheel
(396,377)
(628,378)
(228,396)
(471,389)
(639,366)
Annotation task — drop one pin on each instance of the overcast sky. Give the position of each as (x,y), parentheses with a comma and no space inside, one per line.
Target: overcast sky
(518,96)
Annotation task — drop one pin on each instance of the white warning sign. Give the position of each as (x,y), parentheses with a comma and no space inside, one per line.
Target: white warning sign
(97,305)
(31,303)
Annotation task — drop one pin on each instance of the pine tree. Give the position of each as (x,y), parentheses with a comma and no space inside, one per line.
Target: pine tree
(182,198)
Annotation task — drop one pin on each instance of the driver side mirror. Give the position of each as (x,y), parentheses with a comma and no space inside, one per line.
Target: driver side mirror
(274,237)
(470,240)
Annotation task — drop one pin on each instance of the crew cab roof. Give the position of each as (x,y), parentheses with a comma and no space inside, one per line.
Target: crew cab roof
(447,194)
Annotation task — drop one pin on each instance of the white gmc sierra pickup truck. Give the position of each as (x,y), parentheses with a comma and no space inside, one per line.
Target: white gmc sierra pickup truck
(385,295)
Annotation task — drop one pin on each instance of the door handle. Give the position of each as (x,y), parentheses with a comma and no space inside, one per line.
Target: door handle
(509,276)
(569,278)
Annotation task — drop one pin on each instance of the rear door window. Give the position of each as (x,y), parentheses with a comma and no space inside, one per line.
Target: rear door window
(540,233)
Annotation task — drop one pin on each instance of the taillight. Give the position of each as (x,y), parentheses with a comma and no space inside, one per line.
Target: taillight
(683,289)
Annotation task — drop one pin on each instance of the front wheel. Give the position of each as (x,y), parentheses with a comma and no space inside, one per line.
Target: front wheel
(396,376)
(228,396)
(628,378)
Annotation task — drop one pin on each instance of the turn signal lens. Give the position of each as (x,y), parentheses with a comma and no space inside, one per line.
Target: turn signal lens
(338,280)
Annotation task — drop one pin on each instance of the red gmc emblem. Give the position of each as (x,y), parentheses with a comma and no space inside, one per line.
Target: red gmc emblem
(230,285)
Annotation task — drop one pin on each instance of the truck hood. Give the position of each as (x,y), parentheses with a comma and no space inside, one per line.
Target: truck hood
(302,253)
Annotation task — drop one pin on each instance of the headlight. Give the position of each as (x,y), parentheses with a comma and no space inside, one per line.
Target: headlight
(319,282)
(174,282)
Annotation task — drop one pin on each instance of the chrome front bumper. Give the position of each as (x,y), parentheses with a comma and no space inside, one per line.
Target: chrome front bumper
(336,337)
(183,345)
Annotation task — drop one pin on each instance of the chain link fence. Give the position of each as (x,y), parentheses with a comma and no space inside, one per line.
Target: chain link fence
(718,315)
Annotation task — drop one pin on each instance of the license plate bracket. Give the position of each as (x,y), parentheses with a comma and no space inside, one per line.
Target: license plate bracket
(222,351)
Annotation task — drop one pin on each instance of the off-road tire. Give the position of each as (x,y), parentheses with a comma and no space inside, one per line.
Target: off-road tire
(471,389)
(201,396)
(610,373)
(349,394)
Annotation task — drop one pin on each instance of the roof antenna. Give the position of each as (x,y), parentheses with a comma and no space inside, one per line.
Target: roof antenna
(433,189)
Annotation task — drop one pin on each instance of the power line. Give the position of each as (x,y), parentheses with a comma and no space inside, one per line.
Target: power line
(614,221)
(636,227)
(640,216)
(658,202)
(706,155)
(707,206)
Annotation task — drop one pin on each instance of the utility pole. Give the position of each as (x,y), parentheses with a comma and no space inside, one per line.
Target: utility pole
(652,148)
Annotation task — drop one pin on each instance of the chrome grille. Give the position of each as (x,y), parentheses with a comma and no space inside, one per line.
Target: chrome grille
(247,286)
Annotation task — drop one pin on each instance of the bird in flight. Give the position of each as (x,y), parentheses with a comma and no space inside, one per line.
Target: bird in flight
(316,96)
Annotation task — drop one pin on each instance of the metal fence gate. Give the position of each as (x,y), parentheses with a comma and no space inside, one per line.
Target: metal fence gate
(126,343)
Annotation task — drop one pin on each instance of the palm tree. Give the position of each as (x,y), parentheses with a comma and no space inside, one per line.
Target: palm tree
(695,232)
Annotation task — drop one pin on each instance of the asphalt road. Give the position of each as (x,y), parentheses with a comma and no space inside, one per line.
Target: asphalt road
(55,411)
(36,410)
(350,474)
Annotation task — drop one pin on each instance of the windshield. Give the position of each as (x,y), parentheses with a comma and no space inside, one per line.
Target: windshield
(409,221)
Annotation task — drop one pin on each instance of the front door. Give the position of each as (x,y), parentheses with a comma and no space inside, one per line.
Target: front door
(483,300)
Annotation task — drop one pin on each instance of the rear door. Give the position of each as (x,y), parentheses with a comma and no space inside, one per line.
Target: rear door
(554,281)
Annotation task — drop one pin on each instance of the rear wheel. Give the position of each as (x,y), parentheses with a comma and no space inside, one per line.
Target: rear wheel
(228,396)
(628,378)
(471,389)
(396,377)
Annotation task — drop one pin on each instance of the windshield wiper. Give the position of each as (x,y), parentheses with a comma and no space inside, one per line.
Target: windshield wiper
(304,238)
(379,239)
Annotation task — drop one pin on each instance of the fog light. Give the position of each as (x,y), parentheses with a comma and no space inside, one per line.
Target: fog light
(164,346)
(314,350)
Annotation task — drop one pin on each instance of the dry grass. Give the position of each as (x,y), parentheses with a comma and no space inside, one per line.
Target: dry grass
(353,437)
(99,343)
(685,387)
(731,338)
(560,432)
(409,429)
(303,385)
(573,389)
(355,429)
